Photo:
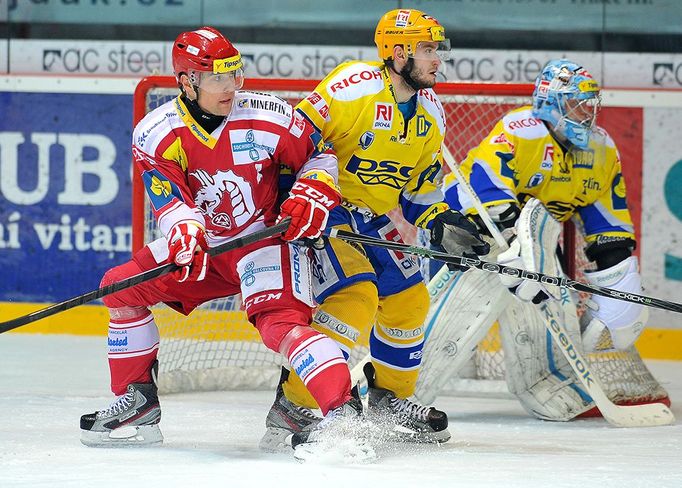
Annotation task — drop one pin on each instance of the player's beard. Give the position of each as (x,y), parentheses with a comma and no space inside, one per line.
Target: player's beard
(415,78)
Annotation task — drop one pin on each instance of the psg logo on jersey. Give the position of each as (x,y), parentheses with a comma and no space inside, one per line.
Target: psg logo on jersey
(366,139)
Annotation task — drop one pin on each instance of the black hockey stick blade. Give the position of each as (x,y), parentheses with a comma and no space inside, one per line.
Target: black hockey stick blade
(508,270)
(140,278)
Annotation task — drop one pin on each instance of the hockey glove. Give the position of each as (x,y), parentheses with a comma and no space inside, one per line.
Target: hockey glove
(524,290)
(453,233)
(187,248)
(308,205)
(624,322)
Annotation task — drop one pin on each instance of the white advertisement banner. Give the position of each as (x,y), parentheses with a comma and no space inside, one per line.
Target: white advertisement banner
(662,211)
(4,62)
(627,70)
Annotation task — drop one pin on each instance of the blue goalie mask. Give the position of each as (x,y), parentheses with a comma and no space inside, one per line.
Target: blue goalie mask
(567,97)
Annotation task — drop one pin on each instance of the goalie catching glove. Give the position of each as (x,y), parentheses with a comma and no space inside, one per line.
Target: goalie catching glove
(187,248)
(453,233)
(308,205)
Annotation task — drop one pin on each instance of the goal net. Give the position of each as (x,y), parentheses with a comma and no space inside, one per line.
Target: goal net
(216,348)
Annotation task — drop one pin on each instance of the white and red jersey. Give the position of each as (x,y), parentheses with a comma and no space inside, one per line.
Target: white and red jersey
(227,180)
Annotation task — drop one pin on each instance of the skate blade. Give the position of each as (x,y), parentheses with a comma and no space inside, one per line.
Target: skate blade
(401,434)
(348,451)
(276,440)
(126,436)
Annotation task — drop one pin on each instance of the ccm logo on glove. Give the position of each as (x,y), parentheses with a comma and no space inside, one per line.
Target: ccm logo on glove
(308,206)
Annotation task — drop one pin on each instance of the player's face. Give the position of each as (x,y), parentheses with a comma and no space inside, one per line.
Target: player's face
(583,112)
(426,64)
(216,91)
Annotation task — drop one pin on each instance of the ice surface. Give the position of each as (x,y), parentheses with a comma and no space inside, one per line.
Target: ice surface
(211,439)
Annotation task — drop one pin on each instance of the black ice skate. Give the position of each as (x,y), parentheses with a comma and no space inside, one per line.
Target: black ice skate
(284,420)
(131,420)
(410,421)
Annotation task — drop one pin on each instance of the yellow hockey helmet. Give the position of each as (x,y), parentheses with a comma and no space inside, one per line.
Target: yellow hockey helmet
(406,27)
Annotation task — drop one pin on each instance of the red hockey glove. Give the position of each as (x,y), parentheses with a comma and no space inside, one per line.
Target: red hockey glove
(308,205)
(187,248)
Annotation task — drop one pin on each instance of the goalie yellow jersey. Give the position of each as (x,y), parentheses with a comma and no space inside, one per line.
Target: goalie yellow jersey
(383,160)
(519,159)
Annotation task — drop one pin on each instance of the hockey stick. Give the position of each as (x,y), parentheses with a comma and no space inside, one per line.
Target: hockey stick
(618,415)
(508,271)
(140,278)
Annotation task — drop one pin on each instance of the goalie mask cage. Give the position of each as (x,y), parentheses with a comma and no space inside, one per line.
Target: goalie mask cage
(216,348)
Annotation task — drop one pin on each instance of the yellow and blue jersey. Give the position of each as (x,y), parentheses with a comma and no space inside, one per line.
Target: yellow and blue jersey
(384,160)
(520,159)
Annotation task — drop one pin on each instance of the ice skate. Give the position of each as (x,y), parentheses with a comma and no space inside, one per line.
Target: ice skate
(340,437)
(131,420)
(409,421)
(284,420)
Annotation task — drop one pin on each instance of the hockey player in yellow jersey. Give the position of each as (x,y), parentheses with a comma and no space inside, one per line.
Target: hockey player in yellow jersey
(386,125)
(553,152)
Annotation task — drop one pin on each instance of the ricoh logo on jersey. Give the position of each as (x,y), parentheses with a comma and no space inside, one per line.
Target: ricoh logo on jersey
(224,197)
(383,116)
(387,173)
(524,123)
(354,79)
(548,158)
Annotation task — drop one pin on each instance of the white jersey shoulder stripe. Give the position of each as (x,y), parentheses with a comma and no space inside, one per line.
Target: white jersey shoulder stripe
(261,106)
(428,99)
(354,81)
(523,124)
(155,126)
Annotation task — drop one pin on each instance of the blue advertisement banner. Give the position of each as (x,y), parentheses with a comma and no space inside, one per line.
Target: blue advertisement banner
(65,192)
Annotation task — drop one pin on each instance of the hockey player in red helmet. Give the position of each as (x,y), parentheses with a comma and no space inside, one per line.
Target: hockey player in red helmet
(210,162)
(208,68)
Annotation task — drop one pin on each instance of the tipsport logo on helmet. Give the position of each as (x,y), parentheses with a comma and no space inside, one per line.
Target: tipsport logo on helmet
(402,18)
(227,65)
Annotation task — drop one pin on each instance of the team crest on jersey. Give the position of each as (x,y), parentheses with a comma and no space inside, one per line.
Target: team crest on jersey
(383,116)
(423,126)
(225,198)
(160,190)
(535,180)
(366,139)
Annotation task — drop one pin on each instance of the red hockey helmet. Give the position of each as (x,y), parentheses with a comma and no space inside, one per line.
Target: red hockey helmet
(205,52)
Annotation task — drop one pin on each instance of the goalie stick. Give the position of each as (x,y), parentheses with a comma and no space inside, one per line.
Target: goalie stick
(509,271)
(617,415)
(140,278)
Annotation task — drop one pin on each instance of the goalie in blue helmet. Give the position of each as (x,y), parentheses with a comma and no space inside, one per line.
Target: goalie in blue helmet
(567,97)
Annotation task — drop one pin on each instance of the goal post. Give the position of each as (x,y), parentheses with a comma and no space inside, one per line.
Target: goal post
(215,347)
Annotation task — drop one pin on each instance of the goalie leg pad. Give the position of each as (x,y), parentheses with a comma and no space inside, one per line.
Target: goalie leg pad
(455,325)
(536,371)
